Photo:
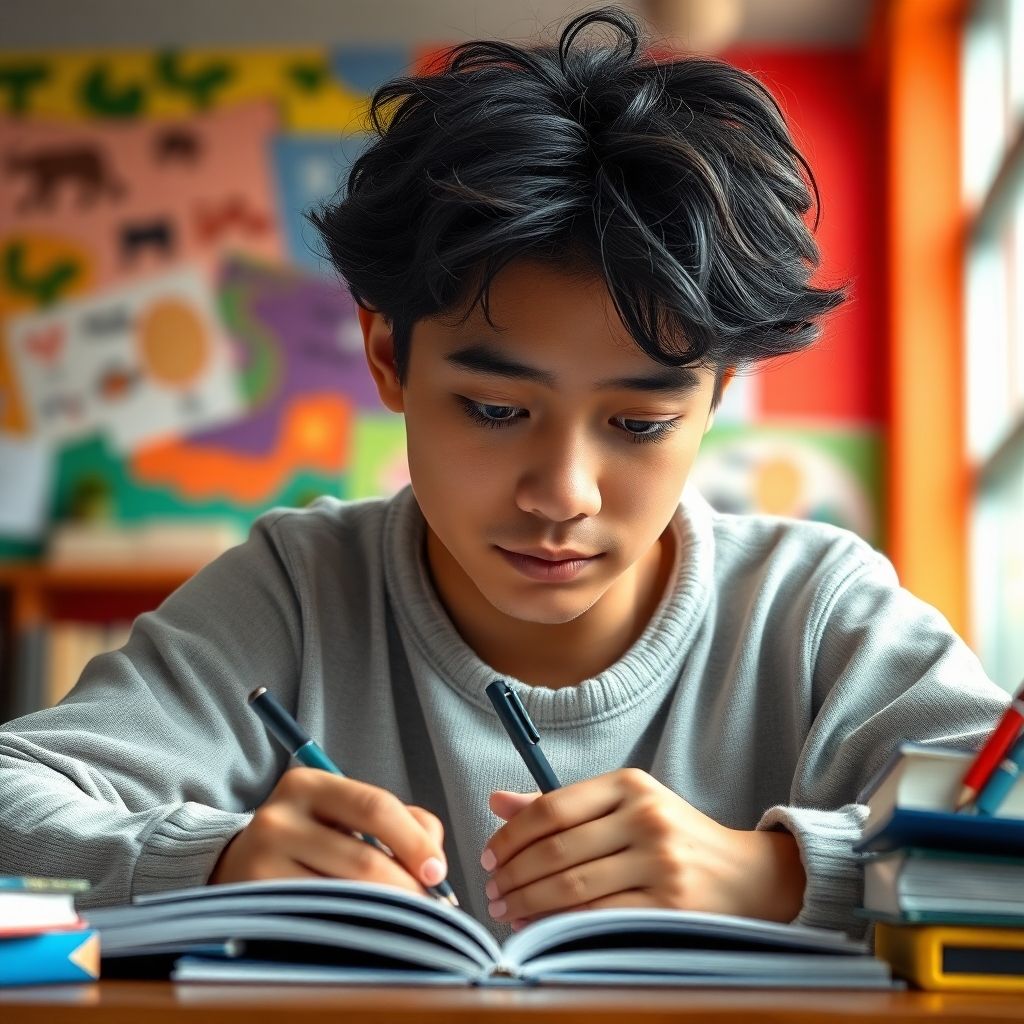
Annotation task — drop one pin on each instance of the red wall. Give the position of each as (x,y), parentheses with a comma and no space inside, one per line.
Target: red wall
(836,119)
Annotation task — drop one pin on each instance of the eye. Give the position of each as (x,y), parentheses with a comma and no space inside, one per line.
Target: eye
(489,415)
(644,431)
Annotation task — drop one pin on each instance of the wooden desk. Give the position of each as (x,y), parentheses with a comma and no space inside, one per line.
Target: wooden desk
(135,1002)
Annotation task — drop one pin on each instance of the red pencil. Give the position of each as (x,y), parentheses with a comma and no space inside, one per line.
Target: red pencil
(993,751)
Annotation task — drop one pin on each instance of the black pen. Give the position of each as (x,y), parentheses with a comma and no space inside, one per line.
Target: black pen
(306,751)
(523,733)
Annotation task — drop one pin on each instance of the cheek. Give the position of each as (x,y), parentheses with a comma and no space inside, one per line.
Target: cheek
(450,467)
(646,483)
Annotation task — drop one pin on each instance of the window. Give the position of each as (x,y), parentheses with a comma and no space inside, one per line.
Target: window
(993,176)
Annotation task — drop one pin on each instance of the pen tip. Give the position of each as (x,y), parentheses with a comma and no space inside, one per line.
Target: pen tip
(258,692)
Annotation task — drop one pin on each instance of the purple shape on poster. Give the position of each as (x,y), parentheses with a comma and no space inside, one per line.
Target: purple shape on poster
(296,334)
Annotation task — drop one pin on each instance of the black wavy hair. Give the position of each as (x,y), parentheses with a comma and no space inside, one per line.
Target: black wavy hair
(676,180)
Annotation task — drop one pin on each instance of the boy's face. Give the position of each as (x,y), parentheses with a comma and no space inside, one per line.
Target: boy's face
(541,438)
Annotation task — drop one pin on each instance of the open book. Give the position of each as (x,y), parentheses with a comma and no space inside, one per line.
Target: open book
(301,930)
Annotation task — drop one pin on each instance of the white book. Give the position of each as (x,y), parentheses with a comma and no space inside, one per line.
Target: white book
(312,930)
(944,885)
(919,777)
(185,543)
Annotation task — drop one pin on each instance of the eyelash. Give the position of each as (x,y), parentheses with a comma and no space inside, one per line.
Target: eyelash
(472,409)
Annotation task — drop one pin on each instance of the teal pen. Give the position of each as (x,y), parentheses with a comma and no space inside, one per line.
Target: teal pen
(1002,780)
(290,734)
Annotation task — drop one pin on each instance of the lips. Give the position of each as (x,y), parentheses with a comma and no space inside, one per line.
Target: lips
(546,567)
(565,555)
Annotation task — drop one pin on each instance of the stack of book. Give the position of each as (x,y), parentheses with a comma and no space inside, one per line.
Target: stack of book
(945,888)
(42,937)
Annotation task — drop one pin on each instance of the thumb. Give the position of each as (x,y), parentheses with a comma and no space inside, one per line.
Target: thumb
(506,805)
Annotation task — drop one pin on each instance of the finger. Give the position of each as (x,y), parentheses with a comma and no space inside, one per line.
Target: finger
(335,854)
(281,867)
(506,805)
(575,887)
(359,807)
(560,851)
(629,899)
(551,812)
(431,822)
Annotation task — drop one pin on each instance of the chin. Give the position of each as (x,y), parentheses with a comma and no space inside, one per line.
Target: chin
(552,611)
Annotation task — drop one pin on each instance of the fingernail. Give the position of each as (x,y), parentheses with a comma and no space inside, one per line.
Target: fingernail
(518,923)
(497,908)
(491,888)
(432,871)
(487,859)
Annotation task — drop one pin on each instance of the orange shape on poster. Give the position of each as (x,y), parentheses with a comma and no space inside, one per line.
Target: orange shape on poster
(174,342)
(778,485)
(316,436)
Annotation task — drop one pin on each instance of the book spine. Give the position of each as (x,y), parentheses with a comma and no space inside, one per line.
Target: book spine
(51,958)
(29,670)
(31,883)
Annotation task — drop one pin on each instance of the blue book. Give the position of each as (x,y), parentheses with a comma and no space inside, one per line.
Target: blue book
(27,883)
(50,958)
(945,830)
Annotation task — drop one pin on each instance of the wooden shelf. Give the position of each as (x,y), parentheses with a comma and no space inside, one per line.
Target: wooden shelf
(34,594)
(126,577)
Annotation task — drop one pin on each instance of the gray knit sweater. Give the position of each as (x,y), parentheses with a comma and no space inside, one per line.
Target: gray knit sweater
(777,674)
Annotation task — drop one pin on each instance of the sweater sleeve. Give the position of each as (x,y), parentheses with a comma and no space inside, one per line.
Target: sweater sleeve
(884,666)
(141,775)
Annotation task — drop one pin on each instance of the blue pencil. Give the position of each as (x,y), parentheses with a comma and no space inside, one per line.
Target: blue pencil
(1002,780)
(305,750)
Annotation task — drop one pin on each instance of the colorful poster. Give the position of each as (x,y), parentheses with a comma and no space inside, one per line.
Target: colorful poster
(26,479)
(829,475)
(310,170)
(299,353)
(138,197)
(380,466)
(83,85)
(137,363)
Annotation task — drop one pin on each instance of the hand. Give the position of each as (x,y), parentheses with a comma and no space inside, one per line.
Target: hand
(303,829)
(625,840)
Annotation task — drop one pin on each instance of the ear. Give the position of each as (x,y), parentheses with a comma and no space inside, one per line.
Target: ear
(380,358)
(727,375)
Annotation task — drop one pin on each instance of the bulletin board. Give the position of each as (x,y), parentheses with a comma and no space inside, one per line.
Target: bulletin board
(171,343)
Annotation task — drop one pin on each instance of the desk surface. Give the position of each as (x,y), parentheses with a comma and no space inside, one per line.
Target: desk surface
(135,1002)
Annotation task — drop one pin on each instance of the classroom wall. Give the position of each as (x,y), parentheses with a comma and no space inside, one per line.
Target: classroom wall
(153,195)
(815,423)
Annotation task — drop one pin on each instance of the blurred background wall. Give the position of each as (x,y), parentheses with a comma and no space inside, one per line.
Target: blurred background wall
(175,358)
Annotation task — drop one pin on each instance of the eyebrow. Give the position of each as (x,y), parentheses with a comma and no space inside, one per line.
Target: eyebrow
(480,358)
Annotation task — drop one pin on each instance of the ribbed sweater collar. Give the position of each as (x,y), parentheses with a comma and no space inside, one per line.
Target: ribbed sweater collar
(651,663)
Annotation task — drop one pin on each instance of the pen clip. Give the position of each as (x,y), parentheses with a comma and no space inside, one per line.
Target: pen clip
(519,711)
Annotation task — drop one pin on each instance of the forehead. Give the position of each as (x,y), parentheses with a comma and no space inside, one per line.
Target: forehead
(529,299)
(556,330)
(545,313)
(556,327)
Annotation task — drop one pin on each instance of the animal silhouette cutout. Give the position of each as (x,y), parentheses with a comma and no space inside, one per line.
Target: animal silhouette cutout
(213,219)
(177,144)
(82,167)
(155,234)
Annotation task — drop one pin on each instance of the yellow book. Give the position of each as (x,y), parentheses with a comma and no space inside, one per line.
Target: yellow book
(947,957)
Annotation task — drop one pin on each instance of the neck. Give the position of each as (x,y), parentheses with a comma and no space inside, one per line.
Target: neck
(559,654)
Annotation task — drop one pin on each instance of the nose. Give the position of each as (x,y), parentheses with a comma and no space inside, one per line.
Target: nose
(560,482)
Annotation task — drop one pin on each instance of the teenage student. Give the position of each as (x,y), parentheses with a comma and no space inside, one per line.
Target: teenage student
(561,255)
